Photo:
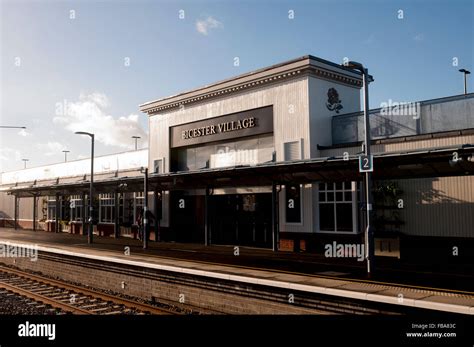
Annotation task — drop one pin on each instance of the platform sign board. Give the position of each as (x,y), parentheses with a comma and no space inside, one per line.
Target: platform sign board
(366,163)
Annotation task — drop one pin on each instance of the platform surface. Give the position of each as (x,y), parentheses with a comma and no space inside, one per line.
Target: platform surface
(302,272)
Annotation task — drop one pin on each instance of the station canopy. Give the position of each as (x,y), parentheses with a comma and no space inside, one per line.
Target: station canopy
(422,163)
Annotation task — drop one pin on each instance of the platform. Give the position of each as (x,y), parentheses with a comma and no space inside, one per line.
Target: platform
(300,272)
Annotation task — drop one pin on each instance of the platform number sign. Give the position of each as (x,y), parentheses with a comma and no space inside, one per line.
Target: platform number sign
(72,204)
(366,163)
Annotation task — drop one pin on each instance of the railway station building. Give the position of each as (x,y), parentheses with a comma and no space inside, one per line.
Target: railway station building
(270,159)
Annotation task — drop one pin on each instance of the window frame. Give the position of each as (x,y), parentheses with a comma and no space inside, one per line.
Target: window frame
(137,196)
(109,197)
(301,222)
(78,207)
(354,207)
(51,199)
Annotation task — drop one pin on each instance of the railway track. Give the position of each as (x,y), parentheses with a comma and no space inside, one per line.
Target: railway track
(71,298)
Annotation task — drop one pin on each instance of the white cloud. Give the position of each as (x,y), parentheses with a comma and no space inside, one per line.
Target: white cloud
(9,154)
(204,25)
(89,114)
(23,133)
(419,37)
(98,98)
(50,148)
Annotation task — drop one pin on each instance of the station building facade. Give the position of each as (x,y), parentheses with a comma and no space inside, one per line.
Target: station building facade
(280,113)
(292,112)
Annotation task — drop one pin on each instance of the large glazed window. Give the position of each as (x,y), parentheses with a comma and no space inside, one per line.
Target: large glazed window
(249,151)
(76,208)
(337,206)
(107,208)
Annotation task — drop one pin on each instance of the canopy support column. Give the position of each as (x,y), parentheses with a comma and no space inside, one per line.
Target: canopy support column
(275,233)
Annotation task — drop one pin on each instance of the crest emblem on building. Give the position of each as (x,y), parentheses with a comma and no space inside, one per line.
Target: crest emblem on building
(333,103)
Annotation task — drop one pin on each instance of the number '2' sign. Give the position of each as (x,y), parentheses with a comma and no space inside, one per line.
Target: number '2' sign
(366,163)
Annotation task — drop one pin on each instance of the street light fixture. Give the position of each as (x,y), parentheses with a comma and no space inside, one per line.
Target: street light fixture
(369,232)
(25,160)
(65,155)
(91,209)
(465,72)
(136,139)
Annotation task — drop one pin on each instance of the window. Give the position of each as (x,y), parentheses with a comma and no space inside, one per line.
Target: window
(51,208)
(76,208)
(139,202)
(293,203)
(249,151)
(337,206)
(107,208)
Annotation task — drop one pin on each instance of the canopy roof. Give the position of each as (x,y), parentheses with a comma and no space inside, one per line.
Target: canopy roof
(433,162)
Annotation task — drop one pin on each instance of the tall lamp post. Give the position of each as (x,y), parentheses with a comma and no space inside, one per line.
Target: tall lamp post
(145,221)
(65,155)
(465,72)
(91,200)
(25,161)
(369,231)
(136,139)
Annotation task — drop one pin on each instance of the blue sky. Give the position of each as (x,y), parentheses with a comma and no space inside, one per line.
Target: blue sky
(49,60)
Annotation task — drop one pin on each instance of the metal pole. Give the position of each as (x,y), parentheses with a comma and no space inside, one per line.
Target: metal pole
(16,212)
(465,84)
(34,212)
(83,219)
(156,201)
(145,210)
(465,72)
(117,215)
(206,217)
(274,219)
(368,182)
(90,237)
(58,211)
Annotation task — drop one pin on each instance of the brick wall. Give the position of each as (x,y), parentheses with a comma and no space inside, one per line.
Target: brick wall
(158,286)
(191,292)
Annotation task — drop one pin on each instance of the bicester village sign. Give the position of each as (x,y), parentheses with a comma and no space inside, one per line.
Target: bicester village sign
(221,127)
(246,123)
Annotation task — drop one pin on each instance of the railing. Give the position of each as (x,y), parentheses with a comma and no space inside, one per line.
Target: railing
(407,119)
